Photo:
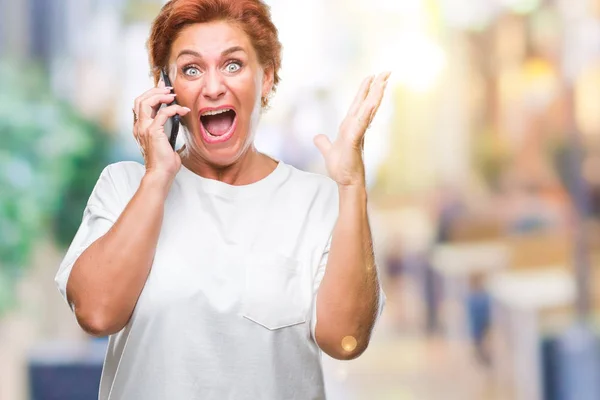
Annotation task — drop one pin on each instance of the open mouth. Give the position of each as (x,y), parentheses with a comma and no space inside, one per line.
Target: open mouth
(218,123)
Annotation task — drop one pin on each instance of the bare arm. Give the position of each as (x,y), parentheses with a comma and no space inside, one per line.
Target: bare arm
(349,293)
(108,277)
(348,297)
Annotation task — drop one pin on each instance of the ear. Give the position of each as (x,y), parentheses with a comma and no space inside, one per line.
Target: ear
(268,78)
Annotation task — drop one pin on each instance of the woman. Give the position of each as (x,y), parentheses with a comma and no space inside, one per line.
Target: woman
(210,267)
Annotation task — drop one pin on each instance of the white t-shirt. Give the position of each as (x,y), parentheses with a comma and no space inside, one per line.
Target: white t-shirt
(228,310)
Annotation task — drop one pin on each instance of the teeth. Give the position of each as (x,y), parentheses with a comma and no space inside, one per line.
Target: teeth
(215,112)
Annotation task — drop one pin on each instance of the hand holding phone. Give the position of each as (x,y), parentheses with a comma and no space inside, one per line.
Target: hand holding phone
(172,125)
(153,110)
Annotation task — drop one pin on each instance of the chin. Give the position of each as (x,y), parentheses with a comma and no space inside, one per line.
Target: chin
(221,160)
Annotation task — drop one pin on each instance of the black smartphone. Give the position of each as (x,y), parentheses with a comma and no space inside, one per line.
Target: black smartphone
(172,125)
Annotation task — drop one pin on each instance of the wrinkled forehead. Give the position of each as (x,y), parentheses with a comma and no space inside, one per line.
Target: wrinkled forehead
(210,40)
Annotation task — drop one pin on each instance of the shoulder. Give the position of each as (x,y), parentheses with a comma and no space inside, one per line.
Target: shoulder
(312,182)
(125,175)
(125,170)
(117,183)
(319,190)
(304,180)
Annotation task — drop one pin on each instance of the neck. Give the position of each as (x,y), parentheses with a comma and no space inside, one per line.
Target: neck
(251,167)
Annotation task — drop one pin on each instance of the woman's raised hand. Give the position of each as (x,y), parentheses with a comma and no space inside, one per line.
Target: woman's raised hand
(343,157)
(149,132)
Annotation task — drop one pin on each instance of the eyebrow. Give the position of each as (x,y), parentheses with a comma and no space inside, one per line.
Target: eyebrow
(224,53)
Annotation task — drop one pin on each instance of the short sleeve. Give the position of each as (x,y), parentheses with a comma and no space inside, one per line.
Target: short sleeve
(317,282)
(98,217)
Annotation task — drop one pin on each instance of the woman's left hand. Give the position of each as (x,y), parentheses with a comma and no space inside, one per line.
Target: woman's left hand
(343,157)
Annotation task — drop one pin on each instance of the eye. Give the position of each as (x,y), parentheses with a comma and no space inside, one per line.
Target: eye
(191,71)
(233,66)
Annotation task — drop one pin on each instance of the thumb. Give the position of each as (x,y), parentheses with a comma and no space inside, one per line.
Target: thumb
(323,144)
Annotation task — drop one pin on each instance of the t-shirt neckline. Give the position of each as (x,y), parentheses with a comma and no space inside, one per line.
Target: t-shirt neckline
(222,189)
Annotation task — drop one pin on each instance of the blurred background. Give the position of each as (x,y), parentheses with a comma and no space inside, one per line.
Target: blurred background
(483,167)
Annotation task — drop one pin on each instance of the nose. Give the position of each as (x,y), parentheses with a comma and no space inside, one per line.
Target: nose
(214,86)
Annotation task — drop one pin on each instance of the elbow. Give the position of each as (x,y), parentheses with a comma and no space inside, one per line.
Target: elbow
(346,354)
(94,314)
(343,347)
(97,323)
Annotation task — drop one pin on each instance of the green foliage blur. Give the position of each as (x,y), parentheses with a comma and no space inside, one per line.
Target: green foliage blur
(50,160)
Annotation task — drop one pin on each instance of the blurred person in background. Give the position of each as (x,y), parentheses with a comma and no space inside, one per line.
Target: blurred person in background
(395,270)
(479,314)
(527,205)
(449,207)
(215,270)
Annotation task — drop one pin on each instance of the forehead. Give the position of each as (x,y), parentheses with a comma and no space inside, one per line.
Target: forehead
(211,38)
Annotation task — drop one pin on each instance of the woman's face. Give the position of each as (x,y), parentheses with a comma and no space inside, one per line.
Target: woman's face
(220,79)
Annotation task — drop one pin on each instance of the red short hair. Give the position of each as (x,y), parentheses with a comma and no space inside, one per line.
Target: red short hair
(253,16)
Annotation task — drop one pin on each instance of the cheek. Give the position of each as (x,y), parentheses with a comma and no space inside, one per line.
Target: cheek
(187,93)
(245,89)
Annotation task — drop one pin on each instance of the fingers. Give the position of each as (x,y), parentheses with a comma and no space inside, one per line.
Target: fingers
(362,93)
(149,93)
(146,108)
(371,104)
(323,144)
(165,113)
(385,78)
(150,105)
